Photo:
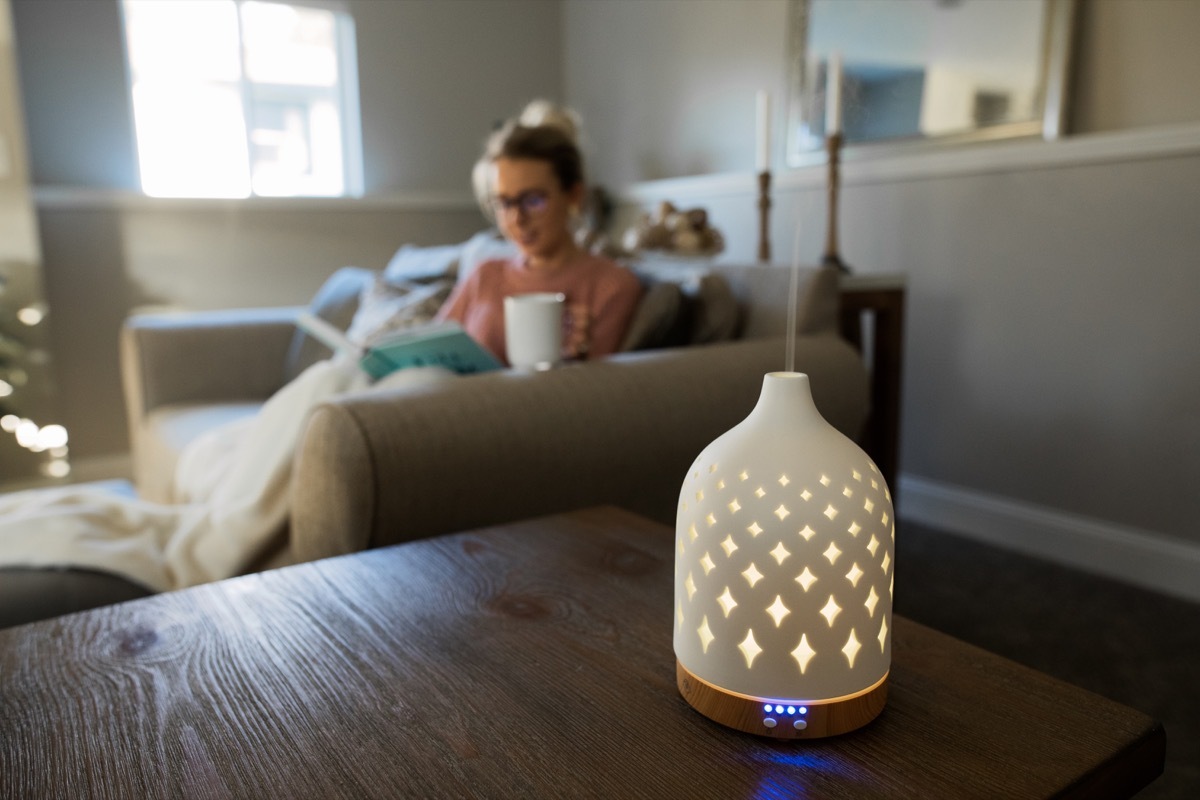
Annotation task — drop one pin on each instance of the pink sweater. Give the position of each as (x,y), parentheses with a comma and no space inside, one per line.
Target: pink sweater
(608,292)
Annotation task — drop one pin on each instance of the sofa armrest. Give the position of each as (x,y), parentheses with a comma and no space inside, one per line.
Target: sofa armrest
(203,356)
(381,468)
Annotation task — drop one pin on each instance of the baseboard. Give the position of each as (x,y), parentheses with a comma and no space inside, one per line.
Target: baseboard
(1142,558)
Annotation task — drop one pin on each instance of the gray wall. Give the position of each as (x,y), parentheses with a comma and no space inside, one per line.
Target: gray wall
(667,88)
(77,109)
(1052,337)
(434,77)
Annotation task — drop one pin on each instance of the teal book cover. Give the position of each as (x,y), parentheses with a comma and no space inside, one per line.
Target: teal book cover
(446,345)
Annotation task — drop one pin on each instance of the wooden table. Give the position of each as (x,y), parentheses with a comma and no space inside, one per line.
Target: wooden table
(527,660)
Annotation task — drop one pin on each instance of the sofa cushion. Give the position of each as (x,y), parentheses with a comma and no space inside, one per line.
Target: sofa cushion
(335,302)
(656,316)
(167,430)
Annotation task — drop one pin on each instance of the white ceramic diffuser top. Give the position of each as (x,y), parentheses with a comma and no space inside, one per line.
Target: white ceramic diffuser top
(784,556)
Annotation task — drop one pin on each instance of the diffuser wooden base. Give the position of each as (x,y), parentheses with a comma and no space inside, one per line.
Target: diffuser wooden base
(743,713)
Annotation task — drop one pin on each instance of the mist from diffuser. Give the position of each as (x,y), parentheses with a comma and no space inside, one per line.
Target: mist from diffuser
(784,574)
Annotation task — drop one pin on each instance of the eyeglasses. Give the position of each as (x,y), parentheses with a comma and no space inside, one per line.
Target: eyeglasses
(532,202)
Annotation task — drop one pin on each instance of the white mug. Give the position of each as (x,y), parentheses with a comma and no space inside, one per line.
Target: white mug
(533,328)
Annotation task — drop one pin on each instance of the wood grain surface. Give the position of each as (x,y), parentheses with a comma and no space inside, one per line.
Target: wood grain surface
(522,661)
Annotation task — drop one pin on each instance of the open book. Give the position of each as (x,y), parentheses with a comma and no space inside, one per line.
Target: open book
(443,344)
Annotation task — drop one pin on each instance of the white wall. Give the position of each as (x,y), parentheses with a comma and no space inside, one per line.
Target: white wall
(1052,368)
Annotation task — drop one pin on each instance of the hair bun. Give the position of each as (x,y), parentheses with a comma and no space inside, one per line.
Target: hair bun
(544,113)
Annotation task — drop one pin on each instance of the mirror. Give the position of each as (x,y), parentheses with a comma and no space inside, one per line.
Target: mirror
(926,71)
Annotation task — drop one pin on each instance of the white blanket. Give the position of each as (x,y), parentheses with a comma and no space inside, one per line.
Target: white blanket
(233,484)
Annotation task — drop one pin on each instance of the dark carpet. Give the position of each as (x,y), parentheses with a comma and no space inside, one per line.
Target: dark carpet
(1134,646)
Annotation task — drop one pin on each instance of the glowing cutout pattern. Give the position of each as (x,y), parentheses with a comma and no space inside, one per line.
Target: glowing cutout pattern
(831,610)
(803,653)
(727,602)
(778,610)
(749,648)
(851,648)
(845,539)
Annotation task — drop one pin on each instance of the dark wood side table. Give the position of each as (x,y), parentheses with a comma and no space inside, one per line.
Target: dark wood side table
(876,303)
(526,660)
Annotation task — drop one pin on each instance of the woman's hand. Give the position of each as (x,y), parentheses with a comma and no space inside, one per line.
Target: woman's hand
(579,337)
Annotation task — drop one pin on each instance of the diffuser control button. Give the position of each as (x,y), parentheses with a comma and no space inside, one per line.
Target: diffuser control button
(769,722)
(799,724)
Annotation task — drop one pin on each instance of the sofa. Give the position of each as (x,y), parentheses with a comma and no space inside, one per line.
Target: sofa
(379,468)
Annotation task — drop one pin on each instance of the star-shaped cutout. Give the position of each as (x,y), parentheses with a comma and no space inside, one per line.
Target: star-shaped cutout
(806,579)
(727,602)
(831,610)
(851,648)
(803,653)
(750,649)
(706,634)
(870,602)
(778,610)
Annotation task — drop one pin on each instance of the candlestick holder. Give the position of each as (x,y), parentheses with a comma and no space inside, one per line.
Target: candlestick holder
(764,210)
(833,145)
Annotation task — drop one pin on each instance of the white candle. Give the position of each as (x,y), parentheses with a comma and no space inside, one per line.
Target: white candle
(833,95)
(762,153)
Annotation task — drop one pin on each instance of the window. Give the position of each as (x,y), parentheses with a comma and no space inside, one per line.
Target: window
(239,97)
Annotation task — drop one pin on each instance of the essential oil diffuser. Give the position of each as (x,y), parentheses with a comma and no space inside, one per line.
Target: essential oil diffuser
(784,574)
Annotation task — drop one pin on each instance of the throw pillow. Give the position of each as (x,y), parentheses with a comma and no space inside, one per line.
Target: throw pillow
(414,263)
(715,311)
(335,302)
(710,313)
(385,307)
(655,317)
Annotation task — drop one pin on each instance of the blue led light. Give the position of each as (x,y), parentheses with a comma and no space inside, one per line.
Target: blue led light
(767,708)
(803,709)
(778,709)
(791,709)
